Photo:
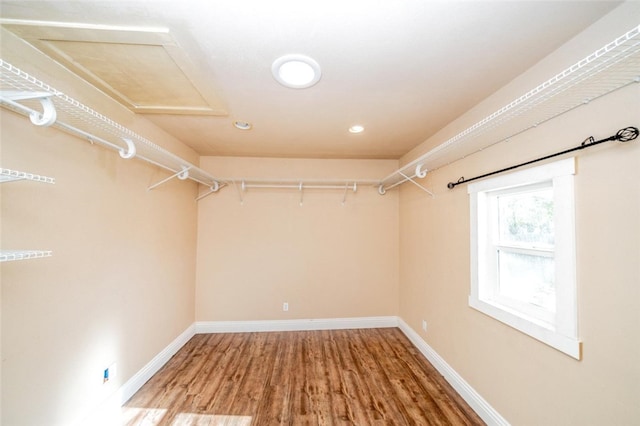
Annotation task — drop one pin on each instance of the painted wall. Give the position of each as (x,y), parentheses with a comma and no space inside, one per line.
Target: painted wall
(120,285)
(526,381)
(325,259)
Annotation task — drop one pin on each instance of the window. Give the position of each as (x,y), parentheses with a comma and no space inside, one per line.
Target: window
(523,253)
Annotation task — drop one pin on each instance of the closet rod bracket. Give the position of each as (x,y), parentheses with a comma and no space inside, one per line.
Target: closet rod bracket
(130,151)
(45,118)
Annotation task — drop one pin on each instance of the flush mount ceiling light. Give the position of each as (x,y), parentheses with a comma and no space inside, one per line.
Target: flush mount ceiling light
(356,129)
(296,71)
(242,125)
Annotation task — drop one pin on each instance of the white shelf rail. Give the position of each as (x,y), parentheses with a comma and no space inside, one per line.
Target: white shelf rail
(346,186)
(46,106)
(9,255)
(612,67)
(8,175)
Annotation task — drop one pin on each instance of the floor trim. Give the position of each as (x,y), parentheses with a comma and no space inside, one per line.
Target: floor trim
(145,373)
(473,398)
(203,327)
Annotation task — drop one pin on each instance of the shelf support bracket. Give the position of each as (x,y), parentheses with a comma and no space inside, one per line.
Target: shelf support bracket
(182,175)
(416,183)
(214,188)
(346,189)
(301,193)
(240,191)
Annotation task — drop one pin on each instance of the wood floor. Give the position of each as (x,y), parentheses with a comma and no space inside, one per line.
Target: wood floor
(360,377)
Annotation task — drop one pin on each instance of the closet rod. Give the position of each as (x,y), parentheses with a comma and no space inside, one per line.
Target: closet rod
(623,135)
(299,186)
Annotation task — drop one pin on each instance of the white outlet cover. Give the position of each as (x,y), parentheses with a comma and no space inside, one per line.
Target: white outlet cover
(113,371)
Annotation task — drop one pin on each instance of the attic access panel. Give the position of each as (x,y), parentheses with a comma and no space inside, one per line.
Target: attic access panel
(142,68)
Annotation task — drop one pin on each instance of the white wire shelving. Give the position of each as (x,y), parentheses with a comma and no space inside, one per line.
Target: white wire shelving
(46,106)
(612,67)
(8,175)
(9,255)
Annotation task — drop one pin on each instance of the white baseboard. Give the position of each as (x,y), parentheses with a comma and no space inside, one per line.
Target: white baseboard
(145,373)
(203,327)
(473,398)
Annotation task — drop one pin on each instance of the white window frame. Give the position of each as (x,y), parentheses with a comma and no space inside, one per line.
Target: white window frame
(559,331)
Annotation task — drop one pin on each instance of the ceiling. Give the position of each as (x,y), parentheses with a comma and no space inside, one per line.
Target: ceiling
(402,69)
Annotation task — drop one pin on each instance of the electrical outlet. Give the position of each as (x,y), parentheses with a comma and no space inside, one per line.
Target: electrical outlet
(285,306)
(424,325)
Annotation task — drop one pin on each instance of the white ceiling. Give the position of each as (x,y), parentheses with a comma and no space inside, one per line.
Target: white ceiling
(403,69)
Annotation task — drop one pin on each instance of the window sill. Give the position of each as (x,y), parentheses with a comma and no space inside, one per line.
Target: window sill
(568,345)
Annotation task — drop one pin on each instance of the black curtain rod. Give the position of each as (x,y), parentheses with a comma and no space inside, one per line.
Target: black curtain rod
(624,135)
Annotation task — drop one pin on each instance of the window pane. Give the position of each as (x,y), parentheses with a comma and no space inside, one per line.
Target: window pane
(527,278)
(527,218)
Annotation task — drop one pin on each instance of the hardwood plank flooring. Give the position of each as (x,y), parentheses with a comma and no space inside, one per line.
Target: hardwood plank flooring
(333,377)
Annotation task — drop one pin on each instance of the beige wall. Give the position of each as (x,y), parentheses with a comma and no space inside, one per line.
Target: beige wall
(125,270)
(526,381)
(120,285)
(325,259)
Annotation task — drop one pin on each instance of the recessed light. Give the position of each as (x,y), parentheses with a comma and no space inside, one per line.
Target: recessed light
(296,71)
(356,129)
(242,125)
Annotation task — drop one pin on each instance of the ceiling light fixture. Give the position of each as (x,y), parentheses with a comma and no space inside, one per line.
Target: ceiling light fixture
(296,71)
(242,125)
(356,129)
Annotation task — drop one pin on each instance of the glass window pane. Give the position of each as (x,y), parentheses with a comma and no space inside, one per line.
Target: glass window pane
(527,278)
(527,218)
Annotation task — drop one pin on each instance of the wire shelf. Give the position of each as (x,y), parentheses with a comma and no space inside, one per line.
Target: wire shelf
(7,175)
(9,255)
(29,96)
(604,71)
